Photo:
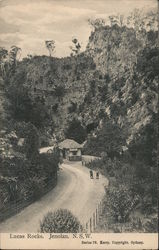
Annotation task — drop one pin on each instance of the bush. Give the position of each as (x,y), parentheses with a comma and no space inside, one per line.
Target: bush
(37,187)
(119,203)
(60,221)
(151,226)
(46,165)
(32,141)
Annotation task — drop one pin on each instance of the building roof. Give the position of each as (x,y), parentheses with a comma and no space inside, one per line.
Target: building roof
(68,143)
(46,149)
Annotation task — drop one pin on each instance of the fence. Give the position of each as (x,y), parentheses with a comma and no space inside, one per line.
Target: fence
(93,221)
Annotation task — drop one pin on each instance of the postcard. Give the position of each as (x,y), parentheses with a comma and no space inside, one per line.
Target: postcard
(78,124)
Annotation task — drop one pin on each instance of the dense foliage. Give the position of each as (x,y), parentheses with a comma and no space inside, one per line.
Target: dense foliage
(23,107)
(106,95)
(109,139)
(120,203)
(25,174)
(60,221)
(132,177)
(131,106)
(76,131)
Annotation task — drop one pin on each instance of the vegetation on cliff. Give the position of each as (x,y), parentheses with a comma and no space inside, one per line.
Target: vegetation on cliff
(106,96)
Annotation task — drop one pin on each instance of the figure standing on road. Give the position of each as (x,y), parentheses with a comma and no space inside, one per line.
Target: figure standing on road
(91,174)
(97,175)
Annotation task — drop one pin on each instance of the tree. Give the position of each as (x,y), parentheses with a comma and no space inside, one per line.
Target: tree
(116,19)
(120,203)
(24,108)
(152,18)
(113,20)
(60,221)
(121,20)
(32,141)
(76,131)
(20,101)
(97,23)
(141,21)
(3,53)
(29,56)
(50,45)
(76,47)
(110,139)
(39,114)
(13,54)
(3,60)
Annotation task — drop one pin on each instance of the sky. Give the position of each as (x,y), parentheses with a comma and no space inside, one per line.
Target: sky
(28,23)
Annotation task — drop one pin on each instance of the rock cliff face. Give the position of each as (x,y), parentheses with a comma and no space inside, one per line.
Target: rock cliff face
(110,91)
(114,49)
(115,77)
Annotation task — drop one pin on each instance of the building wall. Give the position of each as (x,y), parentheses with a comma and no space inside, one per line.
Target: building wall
(78,153)
(70,156)
(75,157)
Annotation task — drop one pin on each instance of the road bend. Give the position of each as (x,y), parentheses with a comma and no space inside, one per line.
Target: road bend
(75,191)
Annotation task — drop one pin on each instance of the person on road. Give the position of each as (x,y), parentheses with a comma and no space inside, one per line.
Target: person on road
(97,175)
(91,174)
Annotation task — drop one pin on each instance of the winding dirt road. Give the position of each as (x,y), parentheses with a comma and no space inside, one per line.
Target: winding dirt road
(75,191)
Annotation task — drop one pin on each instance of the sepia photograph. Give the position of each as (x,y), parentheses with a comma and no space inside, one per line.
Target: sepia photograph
(78,118)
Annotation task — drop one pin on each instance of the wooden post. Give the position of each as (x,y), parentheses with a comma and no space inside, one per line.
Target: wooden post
(93,222)
(101,207)
(96,216)
(90,225)
(87,227)
(80,229)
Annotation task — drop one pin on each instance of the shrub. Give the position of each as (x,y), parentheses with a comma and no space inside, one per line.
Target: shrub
(119,203)
(32,141)
(4,194)
(46,165)
(60,221)
(37,186)
(151,226)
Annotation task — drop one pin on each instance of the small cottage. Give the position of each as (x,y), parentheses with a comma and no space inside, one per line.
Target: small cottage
(70,150)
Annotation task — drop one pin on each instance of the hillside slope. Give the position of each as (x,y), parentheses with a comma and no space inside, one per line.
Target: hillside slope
(105,96)
(116,77)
